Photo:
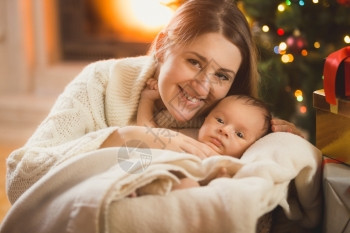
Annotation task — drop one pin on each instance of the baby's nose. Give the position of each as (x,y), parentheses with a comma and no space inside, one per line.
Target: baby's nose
(224,130)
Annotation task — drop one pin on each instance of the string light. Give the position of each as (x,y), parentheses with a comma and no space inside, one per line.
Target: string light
(315,1)
(288,3)
(299,95)
(290,57)
(303,109)
(280,49)
(317,45)
(265,28)
(347,39)
(287,58)
(282,46)
(280,31)
(281,7)
(304,52)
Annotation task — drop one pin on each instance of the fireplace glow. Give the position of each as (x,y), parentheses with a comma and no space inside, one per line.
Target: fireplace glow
(134,20)
(152,14)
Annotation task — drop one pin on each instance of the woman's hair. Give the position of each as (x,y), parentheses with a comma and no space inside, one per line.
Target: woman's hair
(197,17)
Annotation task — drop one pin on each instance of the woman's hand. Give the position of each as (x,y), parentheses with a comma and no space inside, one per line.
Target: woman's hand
(158,138)
(278,125)
(150,92)
(147,104)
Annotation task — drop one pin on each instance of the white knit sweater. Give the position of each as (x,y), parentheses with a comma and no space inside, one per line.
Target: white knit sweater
(103,97)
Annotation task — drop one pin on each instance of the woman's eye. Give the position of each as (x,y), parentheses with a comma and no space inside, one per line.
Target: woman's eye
(222,76)
(195,63)
(240,134)
(221,121)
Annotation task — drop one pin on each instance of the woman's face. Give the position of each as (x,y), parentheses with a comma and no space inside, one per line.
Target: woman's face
(193,77)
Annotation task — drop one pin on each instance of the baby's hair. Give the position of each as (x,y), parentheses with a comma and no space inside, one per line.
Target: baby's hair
(250,100)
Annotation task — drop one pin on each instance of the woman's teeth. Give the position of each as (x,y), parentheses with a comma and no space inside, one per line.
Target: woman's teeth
(190,98)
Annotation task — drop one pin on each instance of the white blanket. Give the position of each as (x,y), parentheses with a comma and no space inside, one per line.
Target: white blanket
(88,194)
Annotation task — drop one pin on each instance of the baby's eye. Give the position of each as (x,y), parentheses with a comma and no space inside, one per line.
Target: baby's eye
(195,63)
(239,134)
(221,121)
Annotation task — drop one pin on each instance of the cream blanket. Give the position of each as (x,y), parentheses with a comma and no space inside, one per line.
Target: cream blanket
(87,194)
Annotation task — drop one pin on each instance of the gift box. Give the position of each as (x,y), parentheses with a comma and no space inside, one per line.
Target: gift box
(336,187)
(336,75)
(332,127)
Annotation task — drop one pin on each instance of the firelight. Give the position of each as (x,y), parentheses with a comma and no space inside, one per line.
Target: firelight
(134,20)
(152,14)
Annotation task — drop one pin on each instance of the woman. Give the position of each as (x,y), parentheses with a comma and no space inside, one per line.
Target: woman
(204,54)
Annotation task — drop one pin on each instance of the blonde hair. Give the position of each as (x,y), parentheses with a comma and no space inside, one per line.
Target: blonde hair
(197,17)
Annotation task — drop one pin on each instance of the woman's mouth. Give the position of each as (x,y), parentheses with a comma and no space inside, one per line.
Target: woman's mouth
(186,104)
(188,97)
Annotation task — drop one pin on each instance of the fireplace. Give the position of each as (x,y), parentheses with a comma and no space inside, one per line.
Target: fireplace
(44,44)
(101,29)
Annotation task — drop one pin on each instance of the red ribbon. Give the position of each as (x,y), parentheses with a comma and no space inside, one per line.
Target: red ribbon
(330,72)
(347,75)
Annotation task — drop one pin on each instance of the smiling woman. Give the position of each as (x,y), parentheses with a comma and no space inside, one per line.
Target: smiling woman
(65,178)
(134,20)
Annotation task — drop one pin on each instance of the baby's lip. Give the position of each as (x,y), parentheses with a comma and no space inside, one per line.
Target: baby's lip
(217,142)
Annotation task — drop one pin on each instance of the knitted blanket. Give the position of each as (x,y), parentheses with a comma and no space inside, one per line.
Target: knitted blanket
(90,192)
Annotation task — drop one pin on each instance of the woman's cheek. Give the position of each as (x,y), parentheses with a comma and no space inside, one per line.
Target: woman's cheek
(220,91)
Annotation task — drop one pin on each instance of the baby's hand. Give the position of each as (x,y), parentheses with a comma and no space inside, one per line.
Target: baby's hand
(150,91)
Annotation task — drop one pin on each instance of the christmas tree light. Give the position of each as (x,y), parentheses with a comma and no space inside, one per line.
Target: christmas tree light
(292,50)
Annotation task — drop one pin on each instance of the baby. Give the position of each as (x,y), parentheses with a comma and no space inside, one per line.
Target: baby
(234,124)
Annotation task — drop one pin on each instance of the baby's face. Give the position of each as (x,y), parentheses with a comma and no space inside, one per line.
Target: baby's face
(232,126)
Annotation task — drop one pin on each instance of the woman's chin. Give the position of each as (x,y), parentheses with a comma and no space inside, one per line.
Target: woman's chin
(182,117)
(185,114)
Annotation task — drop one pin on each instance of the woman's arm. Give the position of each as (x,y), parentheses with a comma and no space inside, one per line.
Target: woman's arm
(158,138)
(75,125)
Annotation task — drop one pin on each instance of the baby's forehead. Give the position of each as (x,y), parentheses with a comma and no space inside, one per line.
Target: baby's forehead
(233,101)
(228,100)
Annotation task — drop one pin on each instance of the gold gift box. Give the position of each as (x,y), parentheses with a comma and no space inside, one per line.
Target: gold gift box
(332,127)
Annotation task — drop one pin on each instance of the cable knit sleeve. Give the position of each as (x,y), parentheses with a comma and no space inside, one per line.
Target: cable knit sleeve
(76,124)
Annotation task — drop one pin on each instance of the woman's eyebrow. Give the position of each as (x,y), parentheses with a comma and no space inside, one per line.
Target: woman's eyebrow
(204,59)
(228,71)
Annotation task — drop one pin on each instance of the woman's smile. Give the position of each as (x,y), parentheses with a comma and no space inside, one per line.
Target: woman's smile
(189,80)
(188,97)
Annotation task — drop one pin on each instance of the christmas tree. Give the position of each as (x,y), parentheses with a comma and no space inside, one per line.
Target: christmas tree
(294,37)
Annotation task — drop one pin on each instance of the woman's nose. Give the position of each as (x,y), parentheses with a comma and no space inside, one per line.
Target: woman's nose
(202,85)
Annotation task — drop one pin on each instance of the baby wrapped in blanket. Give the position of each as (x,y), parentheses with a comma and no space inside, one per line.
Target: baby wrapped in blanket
(234,124)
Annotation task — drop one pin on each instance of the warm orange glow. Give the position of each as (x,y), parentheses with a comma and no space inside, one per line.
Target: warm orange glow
(303,109)
(152,14)
(134,20)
